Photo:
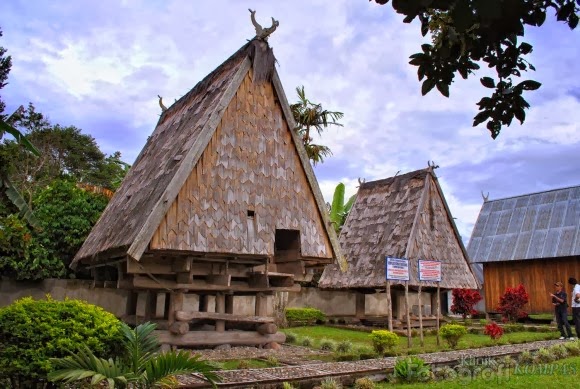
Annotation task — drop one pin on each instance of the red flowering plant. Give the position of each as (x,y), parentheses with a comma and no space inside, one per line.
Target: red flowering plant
(464,300)
(493,330)
(512,302)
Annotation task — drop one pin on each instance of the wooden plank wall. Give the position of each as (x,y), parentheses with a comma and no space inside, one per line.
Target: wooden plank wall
(537,276)
(250,164)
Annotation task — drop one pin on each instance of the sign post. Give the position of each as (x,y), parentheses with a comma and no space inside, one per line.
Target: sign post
(431,271)
(397,269)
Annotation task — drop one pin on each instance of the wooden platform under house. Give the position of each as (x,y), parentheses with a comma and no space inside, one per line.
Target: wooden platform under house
(221,203)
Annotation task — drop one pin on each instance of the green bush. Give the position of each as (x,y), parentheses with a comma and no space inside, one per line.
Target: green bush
(452,333)
(330,383)
(306,341)
(32,331)
(327,345)
(304,316)
(411,369)
(383,340)
(344,346)
(526,357)
(508,328)
(291,337)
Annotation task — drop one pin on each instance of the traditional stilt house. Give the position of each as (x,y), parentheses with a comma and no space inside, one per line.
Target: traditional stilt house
(405,216)
(222,202)
(533,240)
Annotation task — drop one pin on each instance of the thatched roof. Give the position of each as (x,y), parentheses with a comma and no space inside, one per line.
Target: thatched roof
(531,226)
(171,153)
(402,216)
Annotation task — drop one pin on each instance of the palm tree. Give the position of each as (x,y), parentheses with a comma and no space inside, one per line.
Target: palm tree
(338,210)
(142,366)
(6,185)
(309,116)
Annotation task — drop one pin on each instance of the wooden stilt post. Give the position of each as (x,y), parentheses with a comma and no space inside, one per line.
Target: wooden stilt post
(220,307)
(151,305)
(229,303)
(261,301)
(407,314)
(438,312)
(360,305)
(131,308)
(389,306)
(420,316)
(175,304)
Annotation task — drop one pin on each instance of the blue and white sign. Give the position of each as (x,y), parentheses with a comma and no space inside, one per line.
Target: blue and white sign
(397,269)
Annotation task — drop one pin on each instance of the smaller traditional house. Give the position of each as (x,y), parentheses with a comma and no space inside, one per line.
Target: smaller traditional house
(533,239)
(402,216)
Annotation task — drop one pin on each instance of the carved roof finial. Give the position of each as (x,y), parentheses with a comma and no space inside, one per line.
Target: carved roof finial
(263,33)
(485,198)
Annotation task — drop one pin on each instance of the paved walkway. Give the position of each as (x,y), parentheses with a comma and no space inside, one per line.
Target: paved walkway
(274,376)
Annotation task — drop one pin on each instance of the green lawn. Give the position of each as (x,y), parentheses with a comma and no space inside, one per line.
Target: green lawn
(562,374)
(361,339)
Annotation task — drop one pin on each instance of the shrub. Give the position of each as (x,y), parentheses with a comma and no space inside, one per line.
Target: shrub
(452,333)
(243,364)
(559,351)
(473,330)
(364,383)
(508,361)
(508,328)
(464,300)
(483,322)
(366,352)
(287,385)
(308,316)
(493,330)
(272,361)
(291,337)
(526,357)
(306,341)
(444,373)
(511,304)
(344,346)
(573,348)
(411,369)
(384,340)
(330,383)
(327,345)
(32,331)
(544,355)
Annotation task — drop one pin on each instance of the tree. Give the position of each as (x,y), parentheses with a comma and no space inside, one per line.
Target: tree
(338,210)
(7,189)
(464,300)
(308,117)
(511,304)
(142,365)
(464,32)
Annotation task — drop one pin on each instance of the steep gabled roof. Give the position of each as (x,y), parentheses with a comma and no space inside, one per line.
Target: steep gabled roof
(402,216)
(532,226)
(171,152)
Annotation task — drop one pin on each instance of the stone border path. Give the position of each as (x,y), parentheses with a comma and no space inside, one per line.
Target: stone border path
(274,376)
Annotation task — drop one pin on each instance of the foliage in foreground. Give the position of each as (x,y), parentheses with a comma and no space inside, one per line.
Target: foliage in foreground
(33,331)
(141,364)
(464,32)
(411,369)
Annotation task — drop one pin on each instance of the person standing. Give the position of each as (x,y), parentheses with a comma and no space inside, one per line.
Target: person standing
(575,303)
(560,303)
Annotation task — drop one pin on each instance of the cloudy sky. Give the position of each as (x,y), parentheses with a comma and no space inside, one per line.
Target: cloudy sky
(99,65)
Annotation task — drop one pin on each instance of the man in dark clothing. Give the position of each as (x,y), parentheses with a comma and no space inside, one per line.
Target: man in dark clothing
(575,303)
(559,301)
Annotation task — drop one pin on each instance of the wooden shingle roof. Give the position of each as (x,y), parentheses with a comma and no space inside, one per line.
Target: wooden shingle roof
(532,226)
(402,216)
(172,152)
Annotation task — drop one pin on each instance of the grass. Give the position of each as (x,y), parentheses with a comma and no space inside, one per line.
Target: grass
(561,374)
(362,339)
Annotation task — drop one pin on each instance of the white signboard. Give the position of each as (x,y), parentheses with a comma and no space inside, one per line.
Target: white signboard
(429,270)
(397,269)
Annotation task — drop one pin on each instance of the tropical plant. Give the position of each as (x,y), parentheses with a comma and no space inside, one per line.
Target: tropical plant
(464,300)
(465,32)
(512,302)
(309,117)
(339,210)
(411,369)
(142,365)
